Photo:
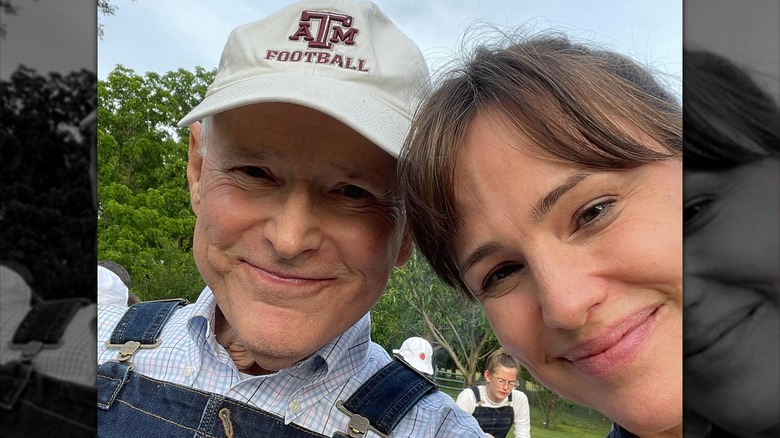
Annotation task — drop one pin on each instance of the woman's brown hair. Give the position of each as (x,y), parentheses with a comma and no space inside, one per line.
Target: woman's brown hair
(502,358)
(574,102)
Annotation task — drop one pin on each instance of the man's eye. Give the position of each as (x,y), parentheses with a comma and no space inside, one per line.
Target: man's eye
(255,172)
(355,192)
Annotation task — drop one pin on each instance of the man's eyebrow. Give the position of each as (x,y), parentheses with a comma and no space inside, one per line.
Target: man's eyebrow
(247,151)
(478,254)
(546,204)
(359,175)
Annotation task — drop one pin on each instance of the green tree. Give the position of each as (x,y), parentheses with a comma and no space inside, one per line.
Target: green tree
(105,8)
(7,7)
(145,221)
(47,219)
(416,302)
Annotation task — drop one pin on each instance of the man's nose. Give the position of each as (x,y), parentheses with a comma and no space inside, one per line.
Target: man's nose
(294,227)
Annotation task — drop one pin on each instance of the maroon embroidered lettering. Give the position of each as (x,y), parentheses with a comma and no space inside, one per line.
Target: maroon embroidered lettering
(321,30)
(333,28)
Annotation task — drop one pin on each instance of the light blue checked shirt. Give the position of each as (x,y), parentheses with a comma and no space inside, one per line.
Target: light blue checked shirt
(304,394)
(70,361)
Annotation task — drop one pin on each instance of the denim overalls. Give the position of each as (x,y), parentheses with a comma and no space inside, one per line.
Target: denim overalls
(133,405)
(495,421)
(33,404)
(619,432)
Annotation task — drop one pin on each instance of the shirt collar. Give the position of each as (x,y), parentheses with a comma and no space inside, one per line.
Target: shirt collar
(350,349)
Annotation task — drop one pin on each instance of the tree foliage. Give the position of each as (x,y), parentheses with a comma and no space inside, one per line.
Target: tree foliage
(47,217)
(106,9)
(145,221)
(418,303)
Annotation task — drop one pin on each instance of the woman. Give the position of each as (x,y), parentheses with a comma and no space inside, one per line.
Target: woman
(732,251)
(497,405)
(545,179)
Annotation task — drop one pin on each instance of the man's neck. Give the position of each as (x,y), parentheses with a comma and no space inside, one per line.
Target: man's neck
(227,338)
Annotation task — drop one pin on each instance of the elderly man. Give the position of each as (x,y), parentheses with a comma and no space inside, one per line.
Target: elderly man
(299,224)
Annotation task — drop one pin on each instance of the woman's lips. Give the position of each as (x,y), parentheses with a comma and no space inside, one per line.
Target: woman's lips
(616,347)
(701,337)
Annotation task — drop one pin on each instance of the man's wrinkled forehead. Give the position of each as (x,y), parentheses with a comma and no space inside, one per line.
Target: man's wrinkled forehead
(269,149)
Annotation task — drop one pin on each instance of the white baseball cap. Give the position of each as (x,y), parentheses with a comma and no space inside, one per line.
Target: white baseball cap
(111,290)
(418,353)
(344,58)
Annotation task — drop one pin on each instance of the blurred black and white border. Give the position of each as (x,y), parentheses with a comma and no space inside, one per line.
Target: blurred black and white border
(731,90)
(48,89)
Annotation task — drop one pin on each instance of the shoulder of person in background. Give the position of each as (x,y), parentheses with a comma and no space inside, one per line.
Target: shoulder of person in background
(14,289)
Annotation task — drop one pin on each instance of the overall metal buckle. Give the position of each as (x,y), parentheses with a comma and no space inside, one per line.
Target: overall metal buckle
(358,424)
(31,350)
(128,349)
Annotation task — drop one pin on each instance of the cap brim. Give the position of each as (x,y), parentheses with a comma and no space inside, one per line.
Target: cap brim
(373,118)
(424,367)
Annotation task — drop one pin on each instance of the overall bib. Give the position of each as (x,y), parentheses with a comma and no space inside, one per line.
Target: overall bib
(495,421)
(133,405)
(36,405)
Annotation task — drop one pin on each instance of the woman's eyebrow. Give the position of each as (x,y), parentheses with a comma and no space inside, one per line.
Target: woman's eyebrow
(479,254)
(548,201)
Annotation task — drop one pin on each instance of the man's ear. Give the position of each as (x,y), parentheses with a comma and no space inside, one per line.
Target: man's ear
(194,163)
(407,246)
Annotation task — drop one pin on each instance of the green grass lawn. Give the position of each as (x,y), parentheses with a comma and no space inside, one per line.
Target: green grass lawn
(562,430)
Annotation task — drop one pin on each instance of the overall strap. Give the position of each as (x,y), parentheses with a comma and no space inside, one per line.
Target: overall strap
(44,326)
(140,327)
(475,390)
(143,321)
(383,400)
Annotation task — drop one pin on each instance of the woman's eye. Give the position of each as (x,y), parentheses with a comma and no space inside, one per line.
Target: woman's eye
(255,172)
(499,274)
(696,212)
(593,213)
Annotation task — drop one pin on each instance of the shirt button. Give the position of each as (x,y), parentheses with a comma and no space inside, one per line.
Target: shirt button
(295,406)
(188,371)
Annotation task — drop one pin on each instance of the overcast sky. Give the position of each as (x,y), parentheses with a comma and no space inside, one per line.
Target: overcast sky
(49,35)
(161,36)
(746,32)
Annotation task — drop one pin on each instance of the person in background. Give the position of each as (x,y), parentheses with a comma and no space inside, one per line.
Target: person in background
(418,353)
(45,389)
(114,284)
(731,238)
(497,405)
(299,222)
(544,178)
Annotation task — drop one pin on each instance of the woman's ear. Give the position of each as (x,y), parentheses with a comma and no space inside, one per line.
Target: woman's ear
(406,249)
